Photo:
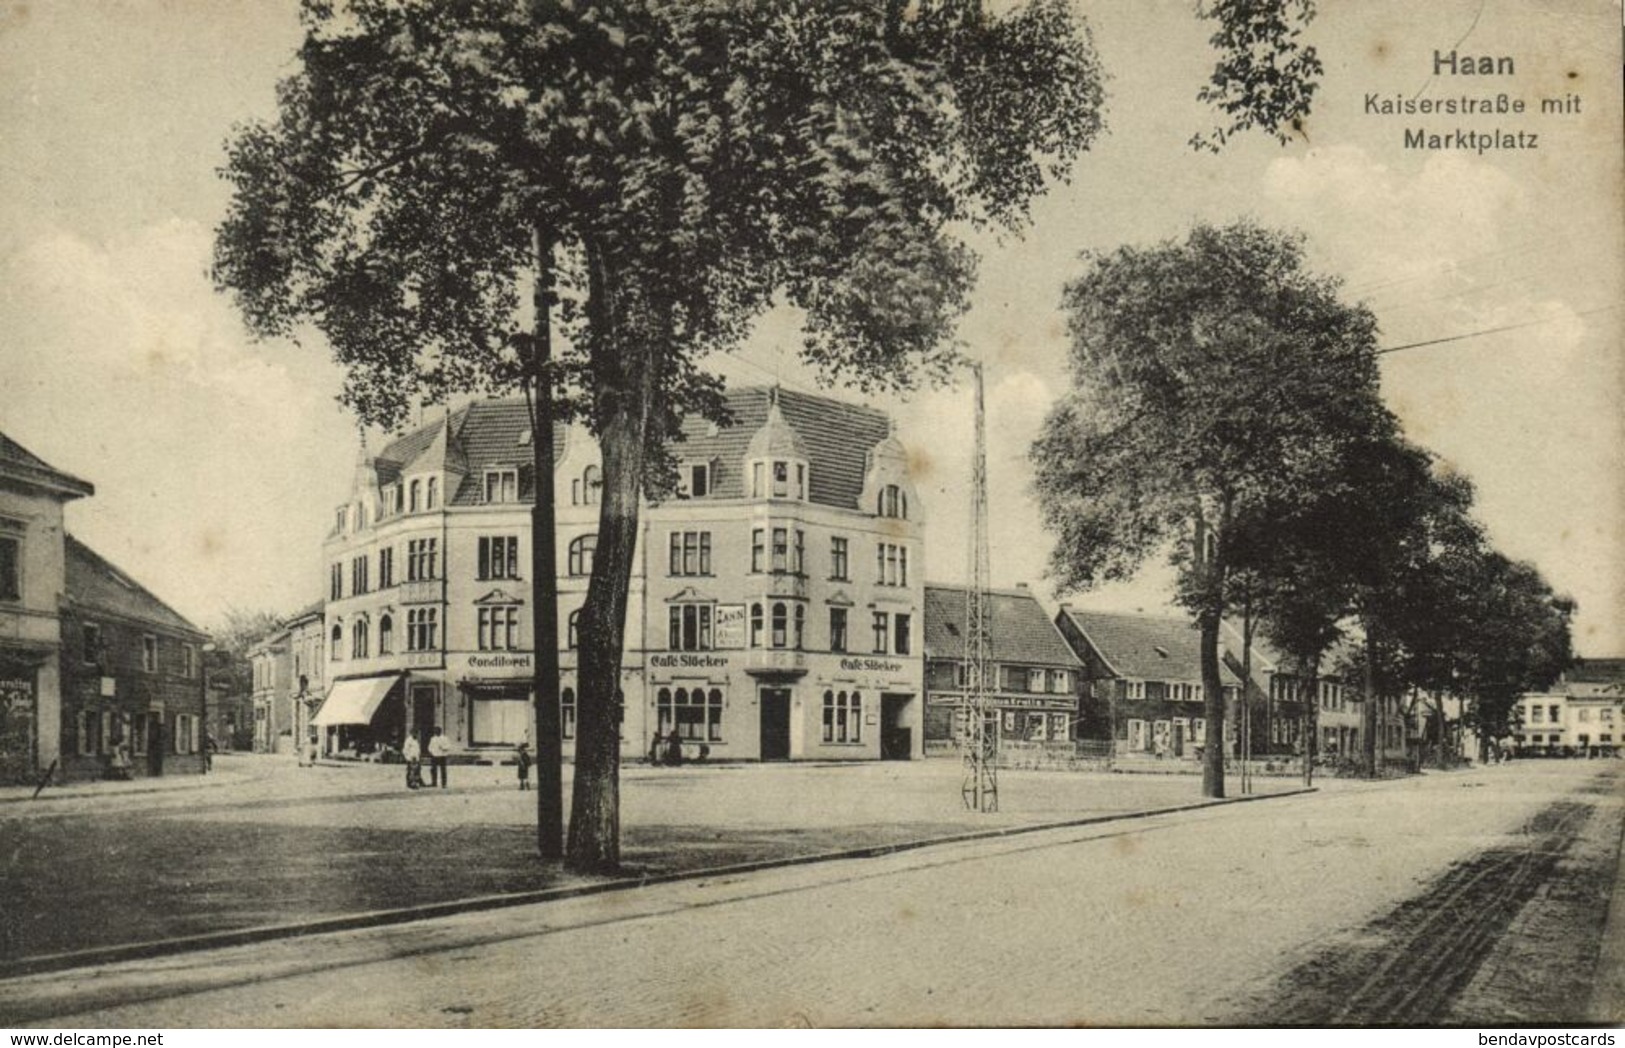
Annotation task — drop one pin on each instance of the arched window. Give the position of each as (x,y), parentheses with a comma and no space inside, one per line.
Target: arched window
(663,711)
(801,625)
(893,502)
(433,499)
(756,625)
(412,502)
(581,551)
(592,485)
(337,647)
(567,713)
(358,639)
(386,635)
(781,622)
(573,630)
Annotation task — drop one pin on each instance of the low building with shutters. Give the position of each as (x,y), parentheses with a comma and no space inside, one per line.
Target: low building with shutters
(1036,677)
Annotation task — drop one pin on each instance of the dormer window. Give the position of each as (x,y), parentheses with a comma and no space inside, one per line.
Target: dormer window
(893,502)
(781,480)
(694,480)
(340,518)
(502,485)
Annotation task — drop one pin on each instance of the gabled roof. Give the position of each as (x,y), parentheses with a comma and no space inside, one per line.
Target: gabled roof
(19,464)
(480,435)
(1146,647)
(95,585)
(1021,631)
(835,436)
(1596,671)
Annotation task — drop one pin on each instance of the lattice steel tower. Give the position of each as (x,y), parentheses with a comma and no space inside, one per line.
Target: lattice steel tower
(980,743)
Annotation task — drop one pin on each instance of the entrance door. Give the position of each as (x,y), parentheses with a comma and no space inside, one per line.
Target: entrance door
(155,744)
(423,713)
(896,741)
(775,724)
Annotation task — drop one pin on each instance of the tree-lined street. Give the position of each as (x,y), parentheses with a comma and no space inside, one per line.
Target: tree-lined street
(1341,906)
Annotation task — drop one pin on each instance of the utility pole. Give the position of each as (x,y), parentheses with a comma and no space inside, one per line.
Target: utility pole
(981,740)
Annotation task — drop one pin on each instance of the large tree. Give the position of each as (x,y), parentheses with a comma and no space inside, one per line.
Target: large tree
(681,165)
(1214,381)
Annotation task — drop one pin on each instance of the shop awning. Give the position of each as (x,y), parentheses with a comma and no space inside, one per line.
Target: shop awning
(354,701)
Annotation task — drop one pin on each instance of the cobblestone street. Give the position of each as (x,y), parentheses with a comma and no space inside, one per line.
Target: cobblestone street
(265,842)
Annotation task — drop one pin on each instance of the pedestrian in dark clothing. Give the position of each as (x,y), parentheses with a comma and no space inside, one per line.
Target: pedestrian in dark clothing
(654,748)
(524,766)
(674,748)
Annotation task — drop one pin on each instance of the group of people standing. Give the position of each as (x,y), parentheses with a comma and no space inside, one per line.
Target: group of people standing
(412,752)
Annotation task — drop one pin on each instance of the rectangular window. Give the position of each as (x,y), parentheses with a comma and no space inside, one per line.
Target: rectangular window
(1036,680)
(837,629)
(11,583)
(690,553)
(335,582)
(499,557)
(837,558)
(358,575)
(690,627)
(1060,682)
(696,480)
(891,565)
(501,485)
(758,549)
(499,627)
(93,642)
(881,633)
(567,713)
(422,560)
(798,562)
(149,653)
(188,660)
(781,480)
(901,639)
(781,549)
(756,480)
(386,567)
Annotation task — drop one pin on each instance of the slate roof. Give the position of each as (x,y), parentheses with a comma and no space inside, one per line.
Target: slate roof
(836,438)
(18,463)
(95,584)
(1147,647)
(1021,630)
(1596,671)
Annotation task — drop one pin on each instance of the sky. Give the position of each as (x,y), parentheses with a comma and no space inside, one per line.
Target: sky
(217,460)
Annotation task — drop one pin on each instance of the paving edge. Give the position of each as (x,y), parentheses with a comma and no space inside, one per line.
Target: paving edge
(99,956)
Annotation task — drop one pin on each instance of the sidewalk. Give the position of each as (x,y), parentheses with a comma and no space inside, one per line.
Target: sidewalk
(298,847)
(228,768)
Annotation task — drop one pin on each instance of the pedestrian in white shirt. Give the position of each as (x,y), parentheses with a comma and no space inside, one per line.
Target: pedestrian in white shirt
(412,753)
(438,750)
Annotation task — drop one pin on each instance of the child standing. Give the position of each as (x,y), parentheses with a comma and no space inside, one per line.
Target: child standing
(524,765)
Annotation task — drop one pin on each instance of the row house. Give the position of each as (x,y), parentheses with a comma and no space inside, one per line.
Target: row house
(1280,695)
(1582,714)
(774,612)
(1146,673)
(1035,677)
(288,667)
(96,673)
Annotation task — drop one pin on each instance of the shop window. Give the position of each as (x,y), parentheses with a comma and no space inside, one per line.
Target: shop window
(690,627)
(695,713)
(582,549)
(843,716)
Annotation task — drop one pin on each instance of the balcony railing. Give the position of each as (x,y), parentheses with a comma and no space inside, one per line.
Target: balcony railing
(776,660)
(423,591)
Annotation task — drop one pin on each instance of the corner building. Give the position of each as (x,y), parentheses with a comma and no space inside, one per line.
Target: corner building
(774,610)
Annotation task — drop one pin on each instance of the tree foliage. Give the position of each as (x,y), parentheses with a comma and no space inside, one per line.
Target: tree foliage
(689,164)
(1266,76)
(1216,382)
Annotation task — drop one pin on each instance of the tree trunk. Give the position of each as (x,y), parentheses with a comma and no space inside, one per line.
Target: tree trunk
(1213,707)
(1311,724)
(1368,716)
(544,571)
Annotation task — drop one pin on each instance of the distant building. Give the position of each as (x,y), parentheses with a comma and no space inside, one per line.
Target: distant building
(1583,714)
(1146,671)
(1281,706)
(272,667)
(775,613)
(33,574)
(1036,682)
(132,675)
(307,652)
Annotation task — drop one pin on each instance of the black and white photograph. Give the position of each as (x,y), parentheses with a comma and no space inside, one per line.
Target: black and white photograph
(764,514)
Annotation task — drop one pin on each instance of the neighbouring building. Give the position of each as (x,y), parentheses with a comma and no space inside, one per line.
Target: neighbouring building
(272,669)
(307,652)
(1280,703)
(1146,671)
(32,583)
(1035,676)
(1583,714)
(776,612)
(132,675)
